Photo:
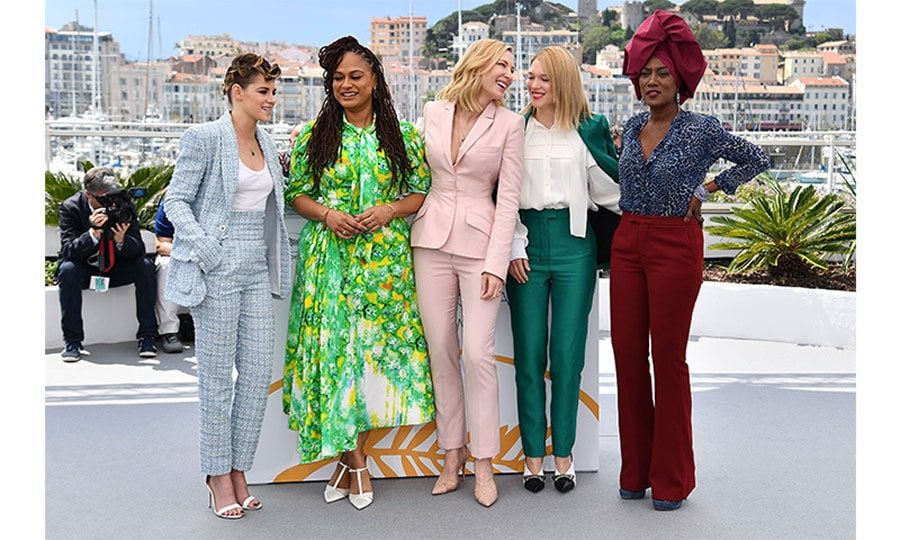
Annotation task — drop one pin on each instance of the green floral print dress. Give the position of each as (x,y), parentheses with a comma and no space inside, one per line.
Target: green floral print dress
(356,357)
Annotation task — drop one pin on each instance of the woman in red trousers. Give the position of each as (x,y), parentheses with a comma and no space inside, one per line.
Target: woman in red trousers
(656,263)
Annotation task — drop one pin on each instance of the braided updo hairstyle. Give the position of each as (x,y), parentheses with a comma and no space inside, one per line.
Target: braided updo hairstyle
(324,145)
(244,67)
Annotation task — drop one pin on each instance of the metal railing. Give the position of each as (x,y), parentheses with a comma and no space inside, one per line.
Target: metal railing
(797,156)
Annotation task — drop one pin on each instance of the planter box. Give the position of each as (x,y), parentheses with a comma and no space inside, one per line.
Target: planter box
(108,317)
(768,313)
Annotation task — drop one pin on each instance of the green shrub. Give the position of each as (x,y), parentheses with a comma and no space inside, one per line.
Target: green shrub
(787,232)
(849,195)
(57,188)
(50,273)
(155,179)
(744,193)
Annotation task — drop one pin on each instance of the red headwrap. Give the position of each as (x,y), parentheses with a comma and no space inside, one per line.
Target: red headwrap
(666,36)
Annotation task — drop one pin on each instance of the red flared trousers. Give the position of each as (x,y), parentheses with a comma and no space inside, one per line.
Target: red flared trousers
(655,275)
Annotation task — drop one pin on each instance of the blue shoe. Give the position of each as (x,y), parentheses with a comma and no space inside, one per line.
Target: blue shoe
(146,347)
(72,352)
(631,495)
(659,504)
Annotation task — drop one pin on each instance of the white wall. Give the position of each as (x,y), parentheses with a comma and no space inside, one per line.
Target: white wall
(768,313)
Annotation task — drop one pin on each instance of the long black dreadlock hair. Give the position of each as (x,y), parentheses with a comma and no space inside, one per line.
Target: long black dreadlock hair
(324,145)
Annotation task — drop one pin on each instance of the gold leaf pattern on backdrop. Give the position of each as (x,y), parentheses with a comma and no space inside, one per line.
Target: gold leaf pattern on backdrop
(415,448)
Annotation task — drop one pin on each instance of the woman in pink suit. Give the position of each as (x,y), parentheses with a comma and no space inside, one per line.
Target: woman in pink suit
(461,244)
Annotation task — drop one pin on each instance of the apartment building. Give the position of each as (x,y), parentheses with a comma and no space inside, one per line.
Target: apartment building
(746,104)
(471,32)
(301,92)
(826,102)
(189,98)
(611,57)
(798,64)
(136,91)
(214,46)
(69,68)
(760,62)
(608,94)
(390,37)
(534,40)
(838,47)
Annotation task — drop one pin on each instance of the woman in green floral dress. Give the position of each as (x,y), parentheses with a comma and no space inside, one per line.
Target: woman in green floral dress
(356,356)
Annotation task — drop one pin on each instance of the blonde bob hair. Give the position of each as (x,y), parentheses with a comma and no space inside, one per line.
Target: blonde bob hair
(466,82)
(565,84)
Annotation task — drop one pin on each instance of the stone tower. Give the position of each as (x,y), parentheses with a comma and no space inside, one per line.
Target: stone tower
(587,9)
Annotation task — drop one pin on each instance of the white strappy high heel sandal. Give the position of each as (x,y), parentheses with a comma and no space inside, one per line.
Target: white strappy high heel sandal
(334,493)
(221,511)
(364,499)
(248,504)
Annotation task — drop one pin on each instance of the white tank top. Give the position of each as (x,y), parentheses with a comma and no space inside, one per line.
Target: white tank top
(252,188)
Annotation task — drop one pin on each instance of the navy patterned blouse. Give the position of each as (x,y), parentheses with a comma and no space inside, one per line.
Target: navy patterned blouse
(662,185)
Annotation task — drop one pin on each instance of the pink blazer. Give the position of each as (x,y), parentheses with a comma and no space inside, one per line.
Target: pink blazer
(459,215)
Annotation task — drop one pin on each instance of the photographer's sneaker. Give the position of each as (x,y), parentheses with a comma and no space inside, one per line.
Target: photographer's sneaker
(72,352)
(171,344)
(146,347)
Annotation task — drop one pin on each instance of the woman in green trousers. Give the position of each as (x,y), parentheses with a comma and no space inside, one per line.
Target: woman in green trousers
(553,261)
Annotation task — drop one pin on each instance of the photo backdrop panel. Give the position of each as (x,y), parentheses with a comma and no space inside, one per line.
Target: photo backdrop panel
(412,450)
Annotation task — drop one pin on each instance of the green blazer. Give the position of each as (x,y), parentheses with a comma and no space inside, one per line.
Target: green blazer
(594,132)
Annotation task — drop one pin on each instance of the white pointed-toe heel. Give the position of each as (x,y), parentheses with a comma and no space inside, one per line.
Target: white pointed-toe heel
(365,498)
(564,482)
(533,482)
(334,493)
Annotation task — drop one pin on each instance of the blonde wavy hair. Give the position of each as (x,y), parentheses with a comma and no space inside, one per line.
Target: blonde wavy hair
(466,82)
(565,84)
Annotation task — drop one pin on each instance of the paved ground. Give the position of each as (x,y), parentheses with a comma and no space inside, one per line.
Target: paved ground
(774,436)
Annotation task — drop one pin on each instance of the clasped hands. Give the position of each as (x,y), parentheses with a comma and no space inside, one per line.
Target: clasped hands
(346,225)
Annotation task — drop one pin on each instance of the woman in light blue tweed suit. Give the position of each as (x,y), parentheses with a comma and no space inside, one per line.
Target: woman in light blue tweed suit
(229,258)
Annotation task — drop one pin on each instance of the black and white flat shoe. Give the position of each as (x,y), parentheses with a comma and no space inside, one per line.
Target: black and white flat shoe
(564,482)
(533,482)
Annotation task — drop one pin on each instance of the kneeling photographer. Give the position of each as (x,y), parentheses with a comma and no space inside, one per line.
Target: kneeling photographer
(101,247)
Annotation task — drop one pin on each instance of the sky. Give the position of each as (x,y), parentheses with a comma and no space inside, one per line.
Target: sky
(301,21)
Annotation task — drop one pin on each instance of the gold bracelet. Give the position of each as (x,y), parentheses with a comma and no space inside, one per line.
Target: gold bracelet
(325,214)
(394,210)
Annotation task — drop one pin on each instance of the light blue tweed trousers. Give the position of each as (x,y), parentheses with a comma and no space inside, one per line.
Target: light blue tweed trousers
(227,266)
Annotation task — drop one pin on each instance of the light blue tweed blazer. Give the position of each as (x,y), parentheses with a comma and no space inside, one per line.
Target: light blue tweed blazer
(199,200)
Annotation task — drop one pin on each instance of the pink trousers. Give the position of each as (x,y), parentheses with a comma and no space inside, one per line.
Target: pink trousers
(441,280)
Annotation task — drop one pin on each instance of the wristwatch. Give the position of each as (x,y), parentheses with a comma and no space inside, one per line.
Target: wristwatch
(701,193)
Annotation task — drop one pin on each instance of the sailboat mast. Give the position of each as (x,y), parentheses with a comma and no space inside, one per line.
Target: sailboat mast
(459,36)
(159,50)
(149,48)
(95,99)
(410,98)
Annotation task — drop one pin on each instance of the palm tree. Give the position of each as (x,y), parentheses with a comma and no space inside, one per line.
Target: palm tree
(788,233)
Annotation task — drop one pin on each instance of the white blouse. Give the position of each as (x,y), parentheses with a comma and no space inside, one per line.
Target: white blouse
(252,188)
(561,173)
